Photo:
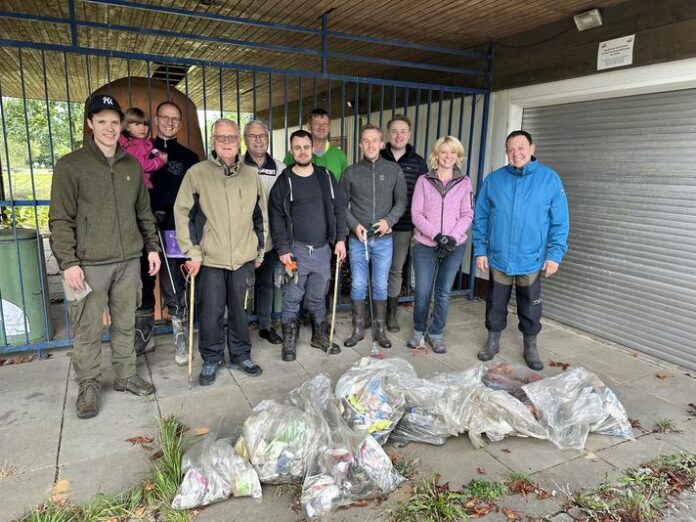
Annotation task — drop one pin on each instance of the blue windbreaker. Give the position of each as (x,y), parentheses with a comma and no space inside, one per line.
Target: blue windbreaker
(521,219)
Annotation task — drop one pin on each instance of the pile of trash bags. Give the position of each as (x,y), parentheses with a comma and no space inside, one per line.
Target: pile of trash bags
(331,438)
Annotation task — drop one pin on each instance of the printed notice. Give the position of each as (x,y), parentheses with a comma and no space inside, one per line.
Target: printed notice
(615,53)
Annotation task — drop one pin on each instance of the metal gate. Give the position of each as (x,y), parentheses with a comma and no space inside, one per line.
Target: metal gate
(44,85)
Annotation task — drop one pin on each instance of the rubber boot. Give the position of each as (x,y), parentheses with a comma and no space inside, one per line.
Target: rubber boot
(492,346)
(290,332)
(531,354)
(358,324)
(321,340)
(180,332)
(144,321)
(380,324)
(392,322)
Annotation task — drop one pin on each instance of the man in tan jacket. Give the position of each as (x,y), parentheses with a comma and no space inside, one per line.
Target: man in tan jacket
(220,215)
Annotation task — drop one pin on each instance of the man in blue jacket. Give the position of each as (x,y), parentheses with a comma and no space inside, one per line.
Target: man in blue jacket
(520,230)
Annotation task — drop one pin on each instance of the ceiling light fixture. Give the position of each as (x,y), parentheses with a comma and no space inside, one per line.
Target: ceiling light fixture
(588,20)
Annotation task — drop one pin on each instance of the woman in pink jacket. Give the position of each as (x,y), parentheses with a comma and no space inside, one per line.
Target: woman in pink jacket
(442,212)
(135,140)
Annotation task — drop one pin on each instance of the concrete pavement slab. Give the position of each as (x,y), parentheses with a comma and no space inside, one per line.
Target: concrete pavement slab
(30,446)
(674,387)
(25,491)
(528,455)
(632,453)
(584,471)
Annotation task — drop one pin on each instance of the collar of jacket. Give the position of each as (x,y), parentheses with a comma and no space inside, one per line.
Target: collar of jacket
(388,154)
(94,149)
(526,170)
(162,143)
(456,173)
(366,162)
(226,169)
(269,167)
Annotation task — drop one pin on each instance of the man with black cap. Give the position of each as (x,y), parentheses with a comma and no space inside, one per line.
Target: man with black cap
(100,221)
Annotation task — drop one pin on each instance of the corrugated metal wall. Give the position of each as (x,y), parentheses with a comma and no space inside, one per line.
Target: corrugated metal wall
(629,169)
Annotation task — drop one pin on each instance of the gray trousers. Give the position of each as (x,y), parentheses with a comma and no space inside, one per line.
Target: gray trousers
(401,241)
(314,276)
(117,284)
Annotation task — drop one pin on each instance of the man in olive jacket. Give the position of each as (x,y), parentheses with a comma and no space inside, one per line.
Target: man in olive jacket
(100,220)
(221,223)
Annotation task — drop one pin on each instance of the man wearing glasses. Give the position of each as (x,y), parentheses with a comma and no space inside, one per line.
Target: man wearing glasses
(256,137)
(221,224)
(166,182)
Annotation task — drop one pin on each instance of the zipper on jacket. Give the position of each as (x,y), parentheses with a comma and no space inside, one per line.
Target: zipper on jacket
(374,195)
(118,217)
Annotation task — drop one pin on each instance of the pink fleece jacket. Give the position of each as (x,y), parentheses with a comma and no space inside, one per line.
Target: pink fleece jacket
(141,149)
(444,210)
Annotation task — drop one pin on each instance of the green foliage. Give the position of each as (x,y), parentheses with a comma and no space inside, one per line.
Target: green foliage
(485,489)
(432,502)
(666,426)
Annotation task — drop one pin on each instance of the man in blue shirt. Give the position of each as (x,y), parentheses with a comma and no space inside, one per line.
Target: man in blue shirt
(520,230)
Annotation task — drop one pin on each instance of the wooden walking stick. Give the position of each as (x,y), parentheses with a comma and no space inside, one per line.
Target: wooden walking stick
(192,299)
(335,301)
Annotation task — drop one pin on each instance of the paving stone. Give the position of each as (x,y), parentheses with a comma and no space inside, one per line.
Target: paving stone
(30,446)
(25,491)
(527,455)
(631,454)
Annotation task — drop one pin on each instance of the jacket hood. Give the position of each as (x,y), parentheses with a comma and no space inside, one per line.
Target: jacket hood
(388,154)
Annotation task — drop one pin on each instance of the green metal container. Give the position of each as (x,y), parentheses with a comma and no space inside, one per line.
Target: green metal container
(23,319)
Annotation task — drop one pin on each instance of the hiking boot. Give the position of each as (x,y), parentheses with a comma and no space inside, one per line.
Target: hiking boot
(144,321)
(492,346)
(415,340)
(208,372)
(321,340)
(531,355)
(135,385)
(87,405)
(380,324)
(358,324)
(180,341)
(290,333)
(437,344)
(247,366)
(270,335)
(392,322)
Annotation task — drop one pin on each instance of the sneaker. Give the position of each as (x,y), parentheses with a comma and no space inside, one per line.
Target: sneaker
(247,366)
(208,372)
(87,405)
(270,335)
(438,344)
(415,340)
(135,385)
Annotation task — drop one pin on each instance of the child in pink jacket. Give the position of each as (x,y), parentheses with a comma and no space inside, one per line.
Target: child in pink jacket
(135,140)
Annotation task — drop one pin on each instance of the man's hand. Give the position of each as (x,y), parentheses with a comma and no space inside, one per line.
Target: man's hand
(381,227)
(154,262)
(340,250)
(286,258)
(74,277)
(482,263)
(361,232)
(550,268)
(193,267)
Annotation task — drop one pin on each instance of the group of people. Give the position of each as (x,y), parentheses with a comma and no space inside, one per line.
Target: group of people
(123,205)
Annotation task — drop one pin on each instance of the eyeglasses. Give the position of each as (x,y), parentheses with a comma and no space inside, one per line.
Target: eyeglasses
(226,138)
(172,119)
(257,137)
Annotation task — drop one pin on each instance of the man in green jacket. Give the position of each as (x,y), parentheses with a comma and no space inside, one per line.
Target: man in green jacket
(100,220)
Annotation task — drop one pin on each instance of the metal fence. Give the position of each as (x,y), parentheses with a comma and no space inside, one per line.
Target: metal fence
(42,94)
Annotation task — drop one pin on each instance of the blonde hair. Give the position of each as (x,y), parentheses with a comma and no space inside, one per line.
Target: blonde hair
(456,146)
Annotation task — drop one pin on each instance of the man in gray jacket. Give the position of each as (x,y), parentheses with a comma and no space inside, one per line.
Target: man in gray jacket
(375,192)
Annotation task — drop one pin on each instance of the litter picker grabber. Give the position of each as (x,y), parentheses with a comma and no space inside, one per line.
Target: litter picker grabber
(428,310)
(375,351)
(166,264)
(335,302)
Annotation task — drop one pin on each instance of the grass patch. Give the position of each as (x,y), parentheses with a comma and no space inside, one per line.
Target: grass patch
(432,502)
(485,489)
(149,500)
(666,426)
(7,470)
(641,494)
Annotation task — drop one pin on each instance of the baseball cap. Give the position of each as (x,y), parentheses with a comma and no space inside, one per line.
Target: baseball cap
(100,102)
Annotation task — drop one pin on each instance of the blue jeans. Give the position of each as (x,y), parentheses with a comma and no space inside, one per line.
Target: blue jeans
(425,262)
(380,262)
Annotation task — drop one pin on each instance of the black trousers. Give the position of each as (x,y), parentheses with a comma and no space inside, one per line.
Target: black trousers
(220,289)
(173,296)
(528,294)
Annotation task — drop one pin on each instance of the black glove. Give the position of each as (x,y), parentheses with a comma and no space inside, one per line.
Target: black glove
(445,245)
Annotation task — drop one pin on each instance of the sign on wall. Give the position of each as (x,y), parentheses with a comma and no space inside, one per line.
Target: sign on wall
(615,53)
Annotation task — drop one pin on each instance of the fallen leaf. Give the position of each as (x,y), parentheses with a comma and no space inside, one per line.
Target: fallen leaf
(559,364)
(59,490)
(692,409)
(481,470)
(148,486)
(590,456)
(511,514)
(542,494)
(201,430)
(140,440)
(140,511)
(663,375)
(505,450)
(635,423)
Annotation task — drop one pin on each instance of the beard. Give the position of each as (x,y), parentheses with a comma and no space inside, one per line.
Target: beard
(303,163)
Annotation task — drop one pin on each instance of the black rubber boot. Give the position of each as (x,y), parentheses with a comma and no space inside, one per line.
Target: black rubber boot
(321,340)
(144,322)
(358,324)
(392,322)
(492,346)
(531,354)
(290,332)
(380,324)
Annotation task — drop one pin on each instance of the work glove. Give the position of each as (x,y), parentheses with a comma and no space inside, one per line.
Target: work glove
(445,245)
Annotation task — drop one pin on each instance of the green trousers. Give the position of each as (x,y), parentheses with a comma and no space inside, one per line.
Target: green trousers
(118,285)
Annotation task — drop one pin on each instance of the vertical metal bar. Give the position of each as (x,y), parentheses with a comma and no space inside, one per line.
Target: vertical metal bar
(415,121)
(239,97)
(108,75)
(9,184)
(166,76)
(406,92)
(89,75)
(130,93)
(48,108)
(343,115)
(73,23)
(314,93)
(67,97)
(381,106)
(369,102)
(393,104)
(149,87)
(462,99)
(356,123)
(253,93)
(205,110)
(285,112)
(324,47)
(270,112)
(427,121)
(186,110)
(328,97)
(472,124)
(439,115)
(451,113)
(222,103)
(299,113)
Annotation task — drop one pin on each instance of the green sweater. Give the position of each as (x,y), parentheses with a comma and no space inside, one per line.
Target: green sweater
(333,159)
(99,214)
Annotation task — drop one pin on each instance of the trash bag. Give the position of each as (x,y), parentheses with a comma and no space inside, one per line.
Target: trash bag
(573,403)
(420,424)
(510,378)
(212,472)
(455,389)
(367,403)
(276,439)
(346,465)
